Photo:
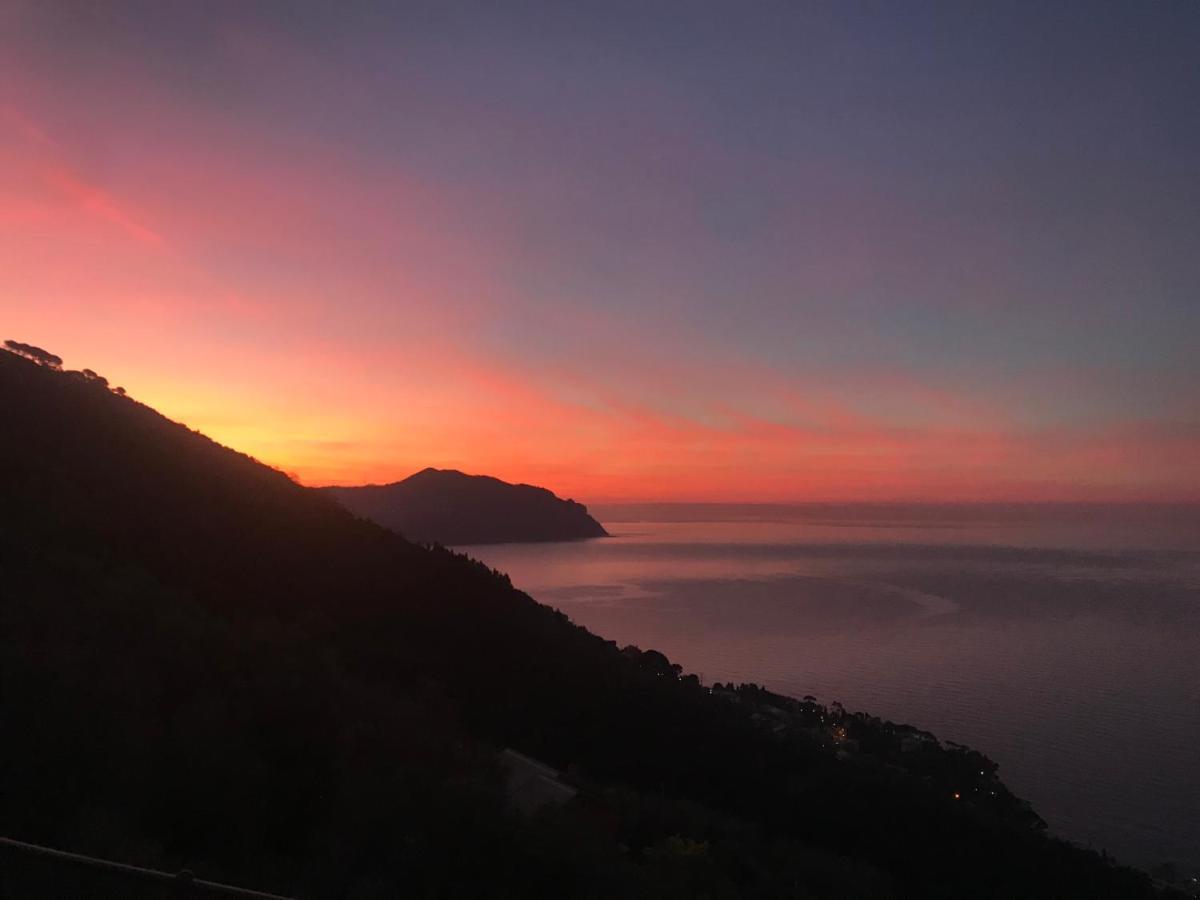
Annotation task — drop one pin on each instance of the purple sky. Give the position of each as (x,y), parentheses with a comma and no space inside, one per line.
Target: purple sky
(708,251)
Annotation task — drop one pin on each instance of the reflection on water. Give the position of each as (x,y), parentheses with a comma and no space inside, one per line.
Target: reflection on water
(1062,641)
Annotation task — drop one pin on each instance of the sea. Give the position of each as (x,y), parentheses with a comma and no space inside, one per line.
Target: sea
(1063,641)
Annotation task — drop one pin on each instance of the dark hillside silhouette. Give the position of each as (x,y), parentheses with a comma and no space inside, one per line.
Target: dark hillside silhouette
(445,506)
(204,665)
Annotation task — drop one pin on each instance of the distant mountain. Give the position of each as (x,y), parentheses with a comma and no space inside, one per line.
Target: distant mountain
(445,506)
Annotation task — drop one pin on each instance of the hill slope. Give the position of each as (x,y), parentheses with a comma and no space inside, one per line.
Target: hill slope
(203,663)
(445,506)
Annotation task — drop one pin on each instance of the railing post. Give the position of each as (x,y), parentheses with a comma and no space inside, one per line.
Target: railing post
(184,884)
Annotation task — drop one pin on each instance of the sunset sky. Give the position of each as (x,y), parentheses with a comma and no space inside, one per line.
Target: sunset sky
(692,251)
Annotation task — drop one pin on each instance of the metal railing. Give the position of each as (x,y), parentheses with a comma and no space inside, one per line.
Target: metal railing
(30,871)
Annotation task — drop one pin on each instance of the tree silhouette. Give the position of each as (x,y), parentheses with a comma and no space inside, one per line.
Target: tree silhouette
(89,375)
(34,354)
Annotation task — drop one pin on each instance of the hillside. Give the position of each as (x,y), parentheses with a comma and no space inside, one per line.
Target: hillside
(204,664)
(448,507)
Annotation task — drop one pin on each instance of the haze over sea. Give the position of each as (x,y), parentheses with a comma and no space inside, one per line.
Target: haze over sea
(1061,640)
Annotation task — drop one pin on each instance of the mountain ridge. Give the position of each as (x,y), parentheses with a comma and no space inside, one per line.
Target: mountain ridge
(450,507)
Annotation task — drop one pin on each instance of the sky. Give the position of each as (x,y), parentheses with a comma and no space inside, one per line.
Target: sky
(629,251)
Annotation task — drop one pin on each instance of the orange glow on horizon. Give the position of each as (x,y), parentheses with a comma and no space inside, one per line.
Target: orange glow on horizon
(623,456)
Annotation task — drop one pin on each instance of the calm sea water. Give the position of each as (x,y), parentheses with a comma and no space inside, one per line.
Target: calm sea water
(1062,641)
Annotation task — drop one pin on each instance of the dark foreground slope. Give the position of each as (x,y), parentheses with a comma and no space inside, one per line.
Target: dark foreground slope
(203,664)
(445,506)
